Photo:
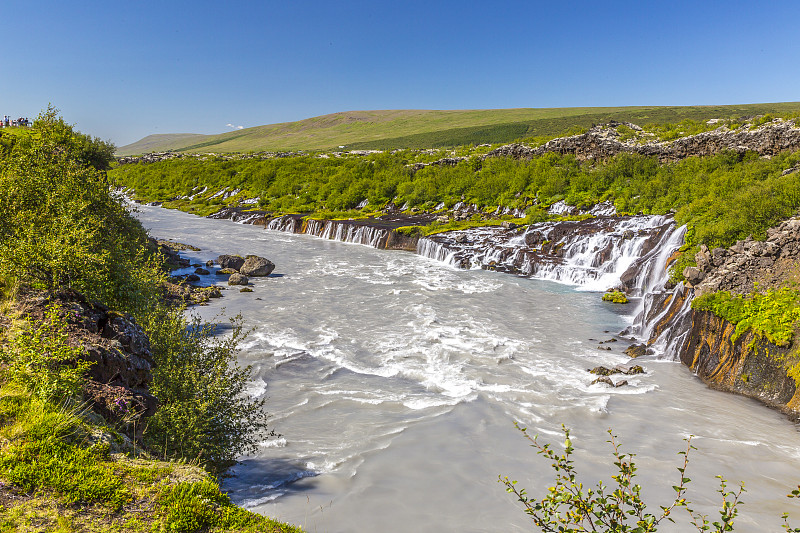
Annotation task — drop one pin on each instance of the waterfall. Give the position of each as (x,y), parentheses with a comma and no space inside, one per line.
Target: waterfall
(592,254)
(595,254)
(435,250)
(287,223)
(345,231)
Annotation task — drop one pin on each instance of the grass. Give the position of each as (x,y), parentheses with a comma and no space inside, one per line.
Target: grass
(56,477)
(435,128)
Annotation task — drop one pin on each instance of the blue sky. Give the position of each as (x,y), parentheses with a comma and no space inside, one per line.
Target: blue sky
(123,70)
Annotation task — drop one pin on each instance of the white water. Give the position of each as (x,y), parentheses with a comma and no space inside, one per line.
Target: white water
(581,263)
(395,379)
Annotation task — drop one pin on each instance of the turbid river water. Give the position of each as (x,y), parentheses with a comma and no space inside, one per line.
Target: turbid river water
(395,381)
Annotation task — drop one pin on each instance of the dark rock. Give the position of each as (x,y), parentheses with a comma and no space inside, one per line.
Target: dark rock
(603,371)
(192,277)
(636,350)
(718,256)
(703,259)
(225,271)
(238,279)
(245,289)
(257,266)
(629,370)
(693,275)
(201,272)
(209,263)
(603,379)
(116,346)
(621,383)
(234,262)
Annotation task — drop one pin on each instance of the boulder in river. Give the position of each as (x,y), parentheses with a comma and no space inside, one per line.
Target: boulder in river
(257,266)
(238,279)
(225,271)
(201,272)
(230,261)
(636,350)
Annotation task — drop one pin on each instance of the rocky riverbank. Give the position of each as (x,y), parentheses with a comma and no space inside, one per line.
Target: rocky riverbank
(605,141)
(745,363)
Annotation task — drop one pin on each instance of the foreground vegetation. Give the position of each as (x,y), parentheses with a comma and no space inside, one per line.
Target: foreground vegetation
(619,507)
(63,466)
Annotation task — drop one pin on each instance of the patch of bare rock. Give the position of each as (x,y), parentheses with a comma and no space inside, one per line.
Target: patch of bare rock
(749,264)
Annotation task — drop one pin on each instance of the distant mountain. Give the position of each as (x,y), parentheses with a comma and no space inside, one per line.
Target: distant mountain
(160,142)
(433,129)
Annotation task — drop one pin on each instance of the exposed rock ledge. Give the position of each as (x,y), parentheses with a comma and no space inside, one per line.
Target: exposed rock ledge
(603,141)
(750,365)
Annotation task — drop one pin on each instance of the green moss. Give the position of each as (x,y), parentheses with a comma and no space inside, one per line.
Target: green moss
(616,297)
(774,315)
(409,231)
(686,258)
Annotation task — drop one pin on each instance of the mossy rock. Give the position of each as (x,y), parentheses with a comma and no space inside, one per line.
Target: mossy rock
(616,297)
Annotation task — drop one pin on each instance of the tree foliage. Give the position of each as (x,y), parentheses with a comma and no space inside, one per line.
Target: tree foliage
(205,414)
(62,226)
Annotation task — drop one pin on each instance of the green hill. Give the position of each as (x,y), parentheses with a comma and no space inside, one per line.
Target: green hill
(433,129)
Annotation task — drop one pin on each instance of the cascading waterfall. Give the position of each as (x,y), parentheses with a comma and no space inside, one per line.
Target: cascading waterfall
(285,223)
(344,231)
(594,255)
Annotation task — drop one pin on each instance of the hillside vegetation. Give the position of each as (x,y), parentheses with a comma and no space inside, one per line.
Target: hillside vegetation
(417,129)
(75,265)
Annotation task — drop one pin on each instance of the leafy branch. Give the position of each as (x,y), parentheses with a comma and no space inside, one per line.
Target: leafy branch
(570,507)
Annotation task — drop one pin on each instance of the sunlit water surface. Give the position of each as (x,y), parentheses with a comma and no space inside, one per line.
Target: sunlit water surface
(395,381)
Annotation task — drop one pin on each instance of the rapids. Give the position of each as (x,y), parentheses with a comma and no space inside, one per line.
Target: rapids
(395,379)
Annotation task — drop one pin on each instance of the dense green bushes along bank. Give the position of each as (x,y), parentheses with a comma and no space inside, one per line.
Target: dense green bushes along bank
(63,232)
(722,198)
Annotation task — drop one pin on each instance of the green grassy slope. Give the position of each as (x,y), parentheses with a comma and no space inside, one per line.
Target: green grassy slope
(433,129)
(162,141)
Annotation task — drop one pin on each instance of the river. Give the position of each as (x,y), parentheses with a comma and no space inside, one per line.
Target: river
(395,381)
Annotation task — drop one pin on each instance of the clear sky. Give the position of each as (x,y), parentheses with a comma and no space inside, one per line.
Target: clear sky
(122,70)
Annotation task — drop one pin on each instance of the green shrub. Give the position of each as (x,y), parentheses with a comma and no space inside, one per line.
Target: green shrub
(60,224)
(40,359)
(189,507)
(570,507)
(204,414)
(616,297)
(723,198)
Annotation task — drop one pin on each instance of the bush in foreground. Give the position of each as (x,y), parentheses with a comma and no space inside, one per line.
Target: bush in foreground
(570,507)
